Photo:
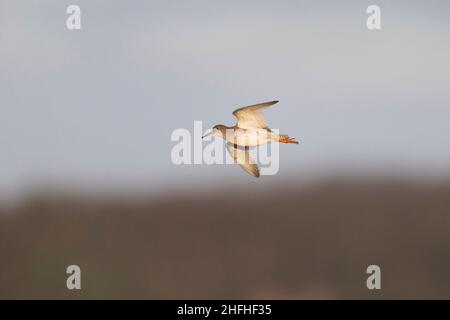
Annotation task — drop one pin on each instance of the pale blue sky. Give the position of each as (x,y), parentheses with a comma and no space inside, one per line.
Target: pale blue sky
(97,106)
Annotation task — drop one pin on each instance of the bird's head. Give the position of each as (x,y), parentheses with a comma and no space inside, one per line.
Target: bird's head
(217,130)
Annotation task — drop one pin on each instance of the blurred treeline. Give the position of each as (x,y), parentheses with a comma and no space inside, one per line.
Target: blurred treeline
(288,242)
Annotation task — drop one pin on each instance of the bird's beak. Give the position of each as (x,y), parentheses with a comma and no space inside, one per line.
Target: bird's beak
(208,134)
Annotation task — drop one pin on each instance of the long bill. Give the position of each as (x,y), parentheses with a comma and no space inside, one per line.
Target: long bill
(208,134)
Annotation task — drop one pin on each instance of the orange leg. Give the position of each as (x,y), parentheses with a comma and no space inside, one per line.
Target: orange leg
(288,140)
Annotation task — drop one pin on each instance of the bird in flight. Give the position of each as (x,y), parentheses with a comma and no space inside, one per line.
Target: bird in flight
(251,130)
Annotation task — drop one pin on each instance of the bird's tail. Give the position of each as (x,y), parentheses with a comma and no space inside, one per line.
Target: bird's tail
(284,138)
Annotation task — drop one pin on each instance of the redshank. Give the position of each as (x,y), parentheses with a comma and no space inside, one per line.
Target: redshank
(251,130)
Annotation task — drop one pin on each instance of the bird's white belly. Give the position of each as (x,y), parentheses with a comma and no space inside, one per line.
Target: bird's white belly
(250,137)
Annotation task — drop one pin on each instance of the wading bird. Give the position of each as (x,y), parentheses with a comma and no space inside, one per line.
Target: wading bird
(251,130)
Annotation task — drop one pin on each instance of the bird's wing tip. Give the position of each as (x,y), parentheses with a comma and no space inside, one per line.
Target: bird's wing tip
(271,102)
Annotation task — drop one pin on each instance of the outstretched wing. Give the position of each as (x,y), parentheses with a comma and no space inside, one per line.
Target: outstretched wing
(242,156)
(251,116)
